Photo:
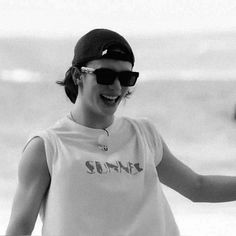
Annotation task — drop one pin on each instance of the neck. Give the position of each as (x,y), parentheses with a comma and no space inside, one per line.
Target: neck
(91,120)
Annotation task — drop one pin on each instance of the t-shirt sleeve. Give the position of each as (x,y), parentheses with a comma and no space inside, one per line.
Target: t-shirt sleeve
(48,144)
(154,139)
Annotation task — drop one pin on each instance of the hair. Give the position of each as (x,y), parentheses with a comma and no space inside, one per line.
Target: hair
(71,89)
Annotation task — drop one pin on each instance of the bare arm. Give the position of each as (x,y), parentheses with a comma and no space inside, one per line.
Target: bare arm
(198,188)
(33,182)
(216,188)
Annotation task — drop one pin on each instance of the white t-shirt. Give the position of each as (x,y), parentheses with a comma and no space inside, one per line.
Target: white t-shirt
(95,192)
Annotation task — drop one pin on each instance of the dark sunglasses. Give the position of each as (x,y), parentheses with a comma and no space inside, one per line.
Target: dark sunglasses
(107,76)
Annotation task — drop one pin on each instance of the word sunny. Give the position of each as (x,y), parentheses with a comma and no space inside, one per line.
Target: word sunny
(94,167)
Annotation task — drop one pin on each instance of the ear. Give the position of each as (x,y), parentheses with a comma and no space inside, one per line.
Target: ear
(76,75)
(128,93)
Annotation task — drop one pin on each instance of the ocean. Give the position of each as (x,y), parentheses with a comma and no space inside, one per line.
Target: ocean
(186,87)
(186,56)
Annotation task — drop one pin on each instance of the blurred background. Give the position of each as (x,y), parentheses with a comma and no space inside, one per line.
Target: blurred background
(186,55)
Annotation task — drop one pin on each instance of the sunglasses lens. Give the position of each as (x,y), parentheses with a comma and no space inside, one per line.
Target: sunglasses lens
(128,78)
(107,76)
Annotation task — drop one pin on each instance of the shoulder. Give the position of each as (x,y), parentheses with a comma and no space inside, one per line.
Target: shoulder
(147,130)
(144,125)
(35,145)
(41,138)
(33,164)
(141,121)
(34,152)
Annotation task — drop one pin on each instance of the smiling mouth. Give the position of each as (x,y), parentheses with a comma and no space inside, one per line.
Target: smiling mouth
(109,100)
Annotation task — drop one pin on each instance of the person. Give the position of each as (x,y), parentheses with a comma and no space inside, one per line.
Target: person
(94,173)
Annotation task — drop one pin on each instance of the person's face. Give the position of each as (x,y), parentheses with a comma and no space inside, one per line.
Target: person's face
(98,99)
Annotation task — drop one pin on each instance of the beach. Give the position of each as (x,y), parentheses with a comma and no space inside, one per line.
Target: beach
(186,87)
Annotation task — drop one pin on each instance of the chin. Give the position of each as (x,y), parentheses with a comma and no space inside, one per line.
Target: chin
(109,110)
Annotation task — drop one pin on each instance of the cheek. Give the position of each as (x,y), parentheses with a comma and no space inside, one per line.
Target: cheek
(89,87)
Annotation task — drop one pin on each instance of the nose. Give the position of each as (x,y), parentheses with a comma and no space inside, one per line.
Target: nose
(116,85)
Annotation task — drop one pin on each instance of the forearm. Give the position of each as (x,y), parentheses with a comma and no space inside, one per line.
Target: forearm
(215,188)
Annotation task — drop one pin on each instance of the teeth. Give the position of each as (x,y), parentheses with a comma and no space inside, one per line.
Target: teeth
(110,97)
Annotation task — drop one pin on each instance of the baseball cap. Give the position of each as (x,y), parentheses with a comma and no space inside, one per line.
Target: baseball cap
(102,43)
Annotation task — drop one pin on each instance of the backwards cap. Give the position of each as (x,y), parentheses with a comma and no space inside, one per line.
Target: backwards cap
(102,43)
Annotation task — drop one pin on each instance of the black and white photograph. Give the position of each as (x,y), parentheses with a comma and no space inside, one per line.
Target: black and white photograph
(118,117)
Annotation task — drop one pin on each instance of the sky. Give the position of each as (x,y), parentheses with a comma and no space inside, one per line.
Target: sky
(65,18)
